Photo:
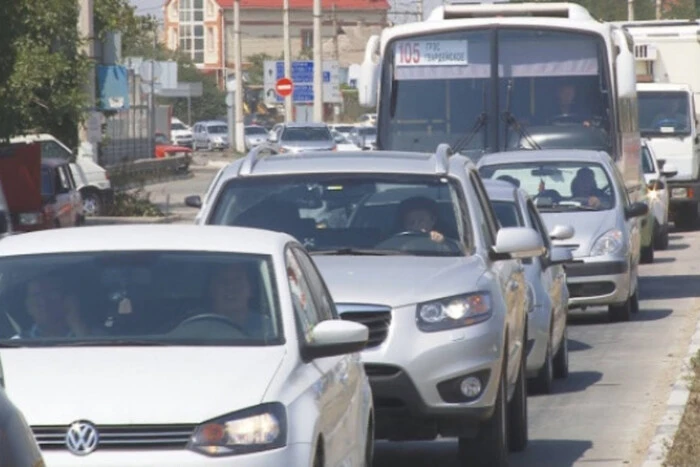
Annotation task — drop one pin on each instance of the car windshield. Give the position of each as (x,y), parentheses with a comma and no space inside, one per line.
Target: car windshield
(344,128)
(140,297)
(255,130)
(647,163)
(306,134)
(177,126)
(507,213)
(218,129)
(371,213)
(664,113)
(559,186)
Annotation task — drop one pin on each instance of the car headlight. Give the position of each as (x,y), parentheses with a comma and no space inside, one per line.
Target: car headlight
(607,244)
(31,218)
(453,312)
(256,429)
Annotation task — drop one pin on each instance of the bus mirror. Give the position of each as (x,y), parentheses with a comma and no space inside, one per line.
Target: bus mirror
(625,67)
(369,74)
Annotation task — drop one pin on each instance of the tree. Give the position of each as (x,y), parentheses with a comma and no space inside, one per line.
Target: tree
(120,15)
(43,75)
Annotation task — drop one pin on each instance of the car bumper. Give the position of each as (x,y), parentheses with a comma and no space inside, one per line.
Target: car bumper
(300,454)
(682,193)
(416,388)
(598,283)
(538,324)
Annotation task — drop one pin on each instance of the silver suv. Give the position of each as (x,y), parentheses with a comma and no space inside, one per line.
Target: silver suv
(410,246)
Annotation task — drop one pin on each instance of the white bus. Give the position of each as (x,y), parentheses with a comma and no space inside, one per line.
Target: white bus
(493,77)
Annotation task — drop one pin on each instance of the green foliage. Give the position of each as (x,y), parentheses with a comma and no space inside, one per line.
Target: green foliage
(43,71)
(256,68)
(120,15)
(134,204)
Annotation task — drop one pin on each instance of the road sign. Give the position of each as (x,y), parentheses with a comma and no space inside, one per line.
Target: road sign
(284,87)
(302,77)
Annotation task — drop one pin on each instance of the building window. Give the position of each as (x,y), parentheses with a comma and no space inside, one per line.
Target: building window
(192,29)
(307,39)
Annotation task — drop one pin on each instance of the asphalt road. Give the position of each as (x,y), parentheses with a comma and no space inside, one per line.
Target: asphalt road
(605,413)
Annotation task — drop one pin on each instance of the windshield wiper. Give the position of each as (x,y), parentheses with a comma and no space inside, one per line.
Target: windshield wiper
(113,343)
(464,141)
(358,252)
(566,207)
(512,122)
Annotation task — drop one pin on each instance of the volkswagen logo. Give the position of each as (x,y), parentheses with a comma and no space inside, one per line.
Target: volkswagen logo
(82,438)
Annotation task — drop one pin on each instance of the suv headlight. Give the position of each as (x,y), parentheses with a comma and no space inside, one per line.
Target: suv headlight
(608,244)
(259,428)
(453,312)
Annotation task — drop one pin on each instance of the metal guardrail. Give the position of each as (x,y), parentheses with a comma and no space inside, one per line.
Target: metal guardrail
(130,173)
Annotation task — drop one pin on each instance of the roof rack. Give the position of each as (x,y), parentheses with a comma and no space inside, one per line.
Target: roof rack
(657,23)
(489,10)
(253,157)
(441,156)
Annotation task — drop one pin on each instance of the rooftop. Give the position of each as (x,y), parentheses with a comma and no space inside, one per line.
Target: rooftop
(308,4)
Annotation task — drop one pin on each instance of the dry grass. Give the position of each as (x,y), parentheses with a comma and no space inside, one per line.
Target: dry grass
(685,451)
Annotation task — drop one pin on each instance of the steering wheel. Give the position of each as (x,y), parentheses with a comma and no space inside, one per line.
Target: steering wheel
(409,237)
(567,119)
(553,194)
(213,318)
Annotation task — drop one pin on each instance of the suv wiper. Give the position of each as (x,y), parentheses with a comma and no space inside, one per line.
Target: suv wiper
(464,141)
(358,252)
(512,122)
(113,343)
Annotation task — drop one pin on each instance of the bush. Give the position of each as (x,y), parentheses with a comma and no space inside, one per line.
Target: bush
(134,204)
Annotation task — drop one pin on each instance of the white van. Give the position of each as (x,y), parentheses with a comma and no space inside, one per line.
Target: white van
(91,179)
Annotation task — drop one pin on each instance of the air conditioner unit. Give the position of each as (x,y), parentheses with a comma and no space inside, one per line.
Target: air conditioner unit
(645,52)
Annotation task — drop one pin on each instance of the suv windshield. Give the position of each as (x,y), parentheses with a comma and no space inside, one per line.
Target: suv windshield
(358,213)
(177,126)
(306,134)
(664,113)
(217,129)
(143,297)
(559,186)
(255,130)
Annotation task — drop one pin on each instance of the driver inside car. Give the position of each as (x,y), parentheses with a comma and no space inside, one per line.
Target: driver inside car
(584,187)
(671,115)
(567,106)
(420,214)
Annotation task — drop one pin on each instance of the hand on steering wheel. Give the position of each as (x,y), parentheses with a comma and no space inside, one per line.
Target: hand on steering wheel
(435,236)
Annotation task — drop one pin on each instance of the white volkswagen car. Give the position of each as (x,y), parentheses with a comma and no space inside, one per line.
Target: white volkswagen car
(129,346)
(656,173)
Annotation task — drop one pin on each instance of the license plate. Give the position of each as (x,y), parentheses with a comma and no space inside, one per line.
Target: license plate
(679,193)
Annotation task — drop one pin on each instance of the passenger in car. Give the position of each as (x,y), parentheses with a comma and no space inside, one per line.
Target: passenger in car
(231,291)
(420,214)
(584,187)
(55,312)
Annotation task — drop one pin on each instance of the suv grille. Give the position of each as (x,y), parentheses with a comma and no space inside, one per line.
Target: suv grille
(121,437)
(376,317)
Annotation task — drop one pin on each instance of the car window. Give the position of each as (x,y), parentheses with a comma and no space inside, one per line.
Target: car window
(306,313)
(559,186)
(536,222)
(507,214)
(647,163)
(621,185)
(322,298)
(63,177)
(53,150)
(174,298)
(47,181)
(327,211)
(306,134)
(218,129)
(177,126)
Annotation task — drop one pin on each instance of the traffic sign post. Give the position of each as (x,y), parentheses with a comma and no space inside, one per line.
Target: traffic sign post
(284,87)
(302,79)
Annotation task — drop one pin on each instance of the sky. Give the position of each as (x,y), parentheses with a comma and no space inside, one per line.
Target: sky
(149,7)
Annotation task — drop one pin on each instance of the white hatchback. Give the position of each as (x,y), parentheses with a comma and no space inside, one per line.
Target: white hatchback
(656,173)
(180,346)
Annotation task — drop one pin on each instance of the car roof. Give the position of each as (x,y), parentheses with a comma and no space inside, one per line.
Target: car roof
(48,162)
(313,162)
(548,155)
(305,125)
(158,237)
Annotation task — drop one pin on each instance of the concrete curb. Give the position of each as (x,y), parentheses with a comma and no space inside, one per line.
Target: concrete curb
(675,407)
(132,220)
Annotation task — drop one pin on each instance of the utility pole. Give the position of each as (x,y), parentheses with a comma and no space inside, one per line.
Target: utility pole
(87,33)
(658,9)
(238,64)
(630,10)
(420,10)
(336,56)
(318,64)
(152,94)
(288,110)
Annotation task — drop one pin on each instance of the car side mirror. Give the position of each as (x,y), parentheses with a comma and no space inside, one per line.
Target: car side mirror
(517,243)
(561,232)
(194,201)
(669,171)
(636,210)
(335,337)
(661,163)
(272,138)
(560,255)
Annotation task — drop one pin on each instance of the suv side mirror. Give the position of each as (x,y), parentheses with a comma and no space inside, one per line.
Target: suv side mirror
(517,243)
(669,171)
(194,201)
(561,232)
(335,337)
(636,210)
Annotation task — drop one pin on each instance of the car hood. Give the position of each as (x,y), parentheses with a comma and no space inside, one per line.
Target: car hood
(185,133)
(136,385)
(588,226)
(398,280)
(677,151)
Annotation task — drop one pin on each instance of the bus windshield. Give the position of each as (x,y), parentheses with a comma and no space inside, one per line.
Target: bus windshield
(551,91)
